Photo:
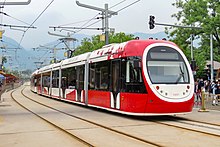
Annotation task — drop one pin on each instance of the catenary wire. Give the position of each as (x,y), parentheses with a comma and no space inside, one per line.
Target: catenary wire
(35,21)
(14,18)
(75,22)
(107,16)
(117,4)
(88,22)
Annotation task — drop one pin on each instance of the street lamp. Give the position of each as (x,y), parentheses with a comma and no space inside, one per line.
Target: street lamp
(211,50)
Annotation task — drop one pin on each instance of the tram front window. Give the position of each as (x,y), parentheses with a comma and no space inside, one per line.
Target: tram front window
(166,66)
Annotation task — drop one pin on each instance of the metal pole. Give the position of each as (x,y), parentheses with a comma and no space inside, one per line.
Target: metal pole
(192,47)
(178,26)
(211,57)
(107,14)
(106,25)
(103,22)
(15,3)
(95,8)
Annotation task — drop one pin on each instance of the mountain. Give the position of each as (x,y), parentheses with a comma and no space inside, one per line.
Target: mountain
(23,59)
(16,55)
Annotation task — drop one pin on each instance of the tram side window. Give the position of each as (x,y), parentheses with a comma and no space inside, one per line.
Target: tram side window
(102,72)
(132,72)
(35,81)
(92,76)
(80,77)
(46,79)
(55,77)
(99,76)
(69,74)
(38,80)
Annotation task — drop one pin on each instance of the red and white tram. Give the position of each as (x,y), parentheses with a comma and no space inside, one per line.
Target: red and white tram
(138,77)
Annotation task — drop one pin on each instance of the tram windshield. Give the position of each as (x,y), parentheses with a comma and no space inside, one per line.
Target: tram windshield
(166,66)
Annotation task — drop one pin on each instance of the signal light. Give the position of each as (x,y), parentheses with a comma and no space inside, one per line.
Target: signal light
(151,22)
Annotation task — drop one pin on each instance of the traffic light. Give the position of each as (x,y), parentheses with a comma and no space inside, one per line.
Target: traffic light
(151,22)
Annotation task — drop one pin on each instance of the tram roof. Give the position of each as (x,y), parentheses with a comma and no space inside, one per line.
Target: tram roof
(45,68)
(129,48)
(79,58)
(35,72)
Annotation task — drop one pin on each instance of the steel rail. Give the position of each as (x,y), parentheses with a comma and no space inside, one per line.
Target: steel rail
(51,123)
(97,124)
(189,129)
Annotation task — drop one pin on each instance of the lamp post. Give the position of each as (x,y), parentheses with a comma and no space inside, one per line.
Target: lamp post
(211,51)
(211,57)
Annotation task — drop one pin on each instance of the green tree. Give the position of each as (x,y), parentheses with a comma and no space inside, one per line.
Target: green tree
(88,45)
(200,13)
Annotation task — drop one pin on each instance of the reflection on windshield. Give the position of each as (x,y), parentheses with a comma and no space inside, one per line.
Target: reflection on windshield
(168,72)
(181,75)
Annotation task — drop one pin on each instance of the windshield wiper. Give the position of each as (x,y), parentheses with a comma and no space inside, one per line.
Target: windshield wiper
(181,75)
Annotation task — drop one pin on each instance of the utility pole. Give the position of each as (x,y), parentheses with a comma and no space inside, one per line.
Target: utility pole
(192,57)
(107,13)
(106,25)
(211,57)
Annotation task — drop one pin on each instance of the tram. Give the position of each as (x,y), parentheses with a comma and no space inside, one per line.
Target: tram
(137,77)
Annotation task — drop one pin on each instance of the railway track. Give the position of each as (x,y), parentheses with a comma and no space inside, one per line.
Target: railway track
(209,129)
(128,136)
(181,124)
(51,123)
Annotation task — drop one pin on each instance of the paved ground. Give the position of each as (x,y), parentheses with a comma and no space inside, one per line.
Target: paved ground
(16,125)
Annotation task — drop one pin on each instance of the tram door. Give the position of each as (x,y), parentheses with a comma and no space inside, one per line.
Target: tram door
(80,81)
(115,80)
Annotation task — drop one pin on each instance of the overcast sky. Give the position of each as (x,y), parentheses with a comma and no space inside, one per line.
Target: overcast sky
(60,12)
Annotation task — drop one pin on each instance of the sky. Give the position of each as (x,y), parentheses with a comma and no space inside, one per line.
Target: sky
(62,12)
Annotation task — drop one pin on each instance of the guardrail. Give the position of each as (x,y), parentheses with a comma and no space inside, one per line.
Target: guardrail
(8,87)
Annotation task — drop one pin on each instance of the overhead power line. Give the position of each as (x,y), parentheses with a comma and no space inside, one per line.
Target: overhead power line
(76,22)
(14,18)
(117,4)
(41,14)
(106,13)
(127,6)
(35,21)
(85,26)
(88,22)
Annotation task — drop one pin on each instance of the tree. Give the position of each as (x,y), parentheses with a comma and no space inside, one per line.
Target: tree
(88,45)
(202,13)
